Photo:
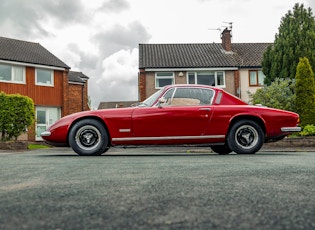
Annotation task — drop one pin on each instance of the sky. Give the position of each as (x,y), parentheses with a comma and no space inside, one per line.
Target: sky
(101,37)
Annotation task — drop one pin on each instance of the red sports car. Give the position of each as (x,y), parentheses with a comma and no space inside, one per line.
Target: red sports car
(176,114)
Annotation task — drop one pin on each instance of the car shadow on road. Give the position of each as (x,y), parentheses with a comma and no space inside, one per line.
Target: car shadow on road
(172,154)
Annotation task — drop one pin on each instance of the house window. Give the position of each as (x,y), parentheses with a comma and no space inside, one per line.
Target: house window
(15,74)
(214,78)
(256,78)
(44,77)
(163,78)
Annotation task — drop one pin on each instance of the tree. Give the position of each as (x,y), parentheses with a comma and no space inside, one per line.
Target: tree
(305,92)
(296,38)
(280,95)
(16,114)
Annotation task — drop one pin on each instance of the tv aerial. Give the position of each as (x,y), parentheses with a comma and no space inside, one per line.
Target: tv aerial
(221,28)
(229,27)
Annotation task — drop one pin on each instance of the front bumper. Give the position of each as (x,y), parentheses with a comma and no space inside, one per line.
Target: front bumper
(291,129)
(45,134)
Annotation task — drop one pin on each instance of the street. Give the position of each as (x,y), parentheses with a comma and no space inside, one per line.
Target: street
(156,189)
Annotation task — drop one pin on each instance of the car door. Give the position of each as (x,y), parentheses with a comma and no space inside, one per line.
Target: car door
(185,112)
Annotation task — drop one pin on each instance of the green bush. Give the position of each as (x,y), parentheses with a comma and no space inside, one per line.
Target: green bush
(279,95)
(16,114)
(308,130)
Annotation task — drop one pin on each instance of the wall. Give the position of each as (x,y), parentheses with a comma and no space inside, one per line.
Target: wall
(230,82)
(244,83)
(41,95)
(149,84)
(293,142)
(75,100)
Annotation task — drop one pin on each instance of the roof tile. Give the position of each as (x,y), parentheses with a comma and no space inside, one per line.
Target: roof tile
(28,52)
(205,55)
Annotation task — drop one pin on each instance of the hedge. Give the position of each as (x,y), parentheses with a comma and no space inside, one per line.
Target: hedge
(16,114)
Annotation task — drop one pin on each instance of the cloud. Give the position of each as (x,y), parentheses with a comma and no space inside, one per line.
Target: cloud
(114,6)
(311,3)
(118,81)
(25,19)
(120,37)
(116,67)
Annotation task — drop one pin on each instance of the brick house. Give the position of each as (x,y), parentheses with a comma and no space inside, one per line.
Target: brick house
(29,69)
(235,67)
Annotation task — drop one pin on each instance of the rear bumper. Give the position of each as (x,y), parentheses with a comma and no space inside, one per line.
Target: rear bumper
(291,129)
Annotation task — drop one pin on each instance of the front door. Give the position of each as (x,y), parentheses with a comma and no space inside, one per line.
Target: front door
(185,113)
(175,121)
(45,117)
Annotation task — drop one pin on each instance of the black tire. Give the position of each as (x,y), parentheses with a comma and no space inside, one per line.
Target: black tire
(221,149)
(89,137)
(245,137)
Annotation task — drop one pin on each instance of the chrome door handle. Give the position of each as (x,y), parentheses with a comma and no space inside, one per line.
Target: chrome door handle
(205,109)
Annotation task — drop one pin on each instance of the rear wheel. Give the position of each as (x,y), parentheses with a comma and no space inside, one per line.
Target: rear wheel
(89,137)
(245,137)
(221,149)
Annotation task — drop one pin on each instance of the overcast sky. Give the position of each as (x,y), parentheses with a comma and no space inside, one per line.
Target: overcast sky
(100,37)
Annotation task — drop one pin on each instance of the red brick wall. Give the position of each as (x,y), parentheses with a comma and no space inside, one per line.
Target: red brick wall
(65,98)
(142,85)
(226,40)
(77,98)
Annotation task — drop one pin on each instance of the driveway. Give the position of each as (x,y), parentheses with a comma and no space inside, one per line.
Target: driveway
(157,188)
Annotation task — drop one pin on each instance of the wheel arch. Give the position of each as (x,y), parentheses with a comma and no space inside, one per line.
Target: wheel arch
(89,117)
(256,119)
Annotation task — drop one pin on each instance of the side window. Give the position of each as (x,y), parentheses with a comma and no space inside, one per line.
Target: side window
(191,96)
(168,97)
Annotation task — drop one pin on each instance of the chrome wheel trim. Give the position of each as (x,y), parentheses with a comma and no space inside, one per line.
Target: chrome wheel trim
(88,137)
(246,136)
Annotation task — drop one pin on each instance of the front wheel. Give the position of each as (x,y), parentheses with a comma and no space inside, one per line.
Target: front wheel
(88,137)
(245,137)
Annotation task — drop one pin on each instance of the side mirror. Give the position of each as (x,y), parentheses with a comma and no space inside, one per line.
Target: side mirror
(162,100)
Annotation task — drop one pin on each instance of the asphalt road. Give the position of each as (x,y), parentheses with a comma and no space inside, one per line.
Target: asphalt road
(156,189)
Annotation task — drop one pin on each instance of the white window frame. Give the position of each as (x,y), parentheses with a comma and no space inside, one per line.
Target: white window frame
(210,72)
(171,77)
(13,77)
(51,77)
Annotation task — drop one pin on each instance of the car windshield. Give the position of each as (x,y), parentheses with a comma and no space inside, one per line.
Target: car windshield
(150,100)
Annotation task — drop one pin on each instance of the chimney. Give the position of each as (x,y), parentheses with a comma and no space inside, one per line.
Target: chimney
(226,40)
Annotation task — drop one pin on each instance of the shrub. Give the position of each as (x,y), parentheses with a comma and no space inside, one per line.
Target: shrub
(308,130)
(305,92)
(16,114)
(279,95)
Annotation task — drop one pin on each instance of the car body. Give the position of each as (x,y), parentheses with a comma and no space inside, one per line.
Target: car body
(176,114)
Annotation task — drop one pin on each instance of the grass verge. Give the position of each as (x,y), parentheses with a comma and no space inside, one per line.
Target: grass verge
(37,146)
